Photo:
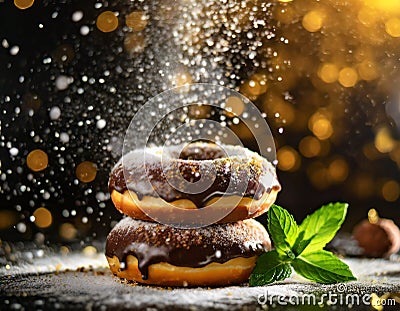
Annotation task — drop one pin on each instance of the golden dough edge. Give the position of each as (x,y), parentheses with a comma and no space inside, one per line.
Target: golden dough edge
(233,271)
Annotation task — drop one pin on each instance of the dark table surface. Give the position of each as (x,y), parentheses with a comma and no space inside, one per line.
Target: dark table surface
(82,281)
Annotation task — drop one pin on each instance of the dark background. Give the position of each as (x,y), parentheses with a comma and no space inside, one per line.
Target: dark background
(276,63)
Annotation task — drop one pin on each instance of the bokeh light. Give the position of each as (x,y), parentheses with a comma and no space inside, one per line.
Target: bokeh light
(310,146)
(393,27)
(86,171)
(348,77)
(367,16)
(37,160)
(89,251)
(383,141)
(235,105)
(320,125)
(107,21)
(43,217)
(288,159)
(328,73)
(391,190)
(136,20)
(68,231)
(23,4)
(338,170)
(313,20)
(368,70)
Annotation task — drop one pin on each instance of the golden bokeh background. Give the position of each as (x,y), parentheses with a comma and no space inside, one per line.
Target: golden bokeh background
(329,89)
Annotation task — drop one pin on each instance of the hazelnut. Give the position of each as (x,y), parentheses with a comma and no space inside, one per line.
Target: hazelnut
(376,236)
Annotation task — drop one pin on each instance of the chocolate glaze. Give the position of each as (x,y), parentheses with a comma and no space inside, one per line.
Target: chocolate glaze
(153,243)
(243,173)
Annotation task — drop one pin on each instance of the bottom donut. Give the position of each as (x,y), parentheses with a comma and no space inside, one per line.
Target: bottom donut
(234,271)
(157,254)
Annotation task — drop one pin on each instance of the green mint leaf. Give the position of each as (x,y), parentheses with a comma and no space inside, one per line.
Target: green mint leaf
(322,267)
(269,268)
(283,230)
(301,244)
(290,254)
(320,227)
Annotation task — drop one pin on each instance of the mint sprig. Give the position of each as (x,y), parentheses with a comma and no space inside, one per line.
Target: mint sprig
(285,230)
(270,268)
(322,225)
(322,267)
(301,247)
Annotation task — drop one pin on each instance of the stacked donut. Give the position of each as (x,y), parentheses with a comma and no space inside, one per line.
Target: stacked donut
(190,214)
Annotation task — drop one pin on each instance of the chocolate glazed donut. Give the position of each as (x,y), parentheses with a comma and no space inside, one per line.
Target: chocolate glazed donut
(158,254)
(244,175)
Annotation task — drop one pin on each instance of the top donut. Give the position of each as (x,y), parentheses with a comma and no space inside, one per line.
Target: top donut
(222,183)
